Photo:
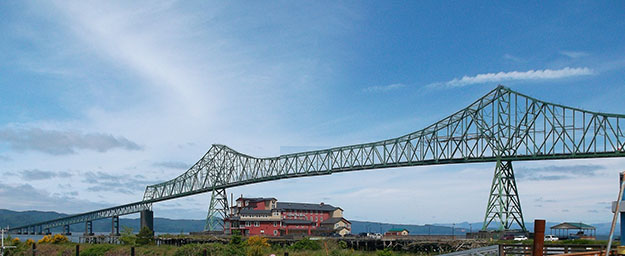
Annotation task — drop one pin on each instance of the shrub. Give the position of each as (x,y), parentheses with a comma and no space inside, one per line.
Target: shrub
(145,236)
(256,245)
(16,241)
(29,242)
(127,237)
(385,252)
(306,244)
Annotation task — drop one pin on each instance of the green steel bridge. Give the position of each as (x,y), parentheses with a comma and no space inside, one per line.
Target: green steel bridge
(502,126)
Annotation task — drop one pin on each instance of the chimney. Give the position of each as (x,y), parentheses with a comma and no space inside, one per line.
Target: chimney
(321,204)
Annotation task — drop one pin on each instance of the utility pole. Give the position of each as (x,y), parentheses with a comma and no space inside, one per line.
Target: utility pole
(453,229)
(3,248)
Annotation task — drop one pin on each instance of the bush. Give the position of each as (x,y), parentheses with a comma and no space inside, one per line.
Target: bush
(385,252)
(29,242)
(15,241)
(256,245)
(97,250)
(56,239)
(127,237)
(306,244)
(145,236)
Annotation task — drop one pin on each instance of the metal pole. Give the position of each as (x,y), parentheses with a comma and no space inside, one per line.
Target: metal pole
(616,212)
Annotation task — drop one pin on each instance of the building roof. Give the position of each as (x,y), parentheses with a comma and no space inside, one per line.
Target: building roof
(252,211)
(306,207)
(297,222)
(397,230)
(572,225)
(256,199)
(334,220)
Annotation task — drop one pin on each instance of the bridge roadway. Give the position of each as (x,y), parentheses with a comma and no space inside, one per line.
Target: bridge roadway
(502,126)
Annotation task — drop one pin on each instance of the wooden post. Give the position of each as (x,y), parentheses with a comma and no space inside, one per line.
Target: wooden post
(77,250)
(132,251)
(539,237)
(34,249)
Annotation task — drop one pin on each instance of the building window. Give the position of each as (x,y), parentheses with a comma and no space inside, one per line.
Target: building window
(256,224)
(321,219)
(247,223)
(275,224)
(247,203)
(275,232)
(262,231)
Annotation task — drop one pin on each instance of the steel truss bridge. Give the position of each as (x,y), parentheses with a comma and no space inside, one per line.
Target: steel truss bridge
(502,126)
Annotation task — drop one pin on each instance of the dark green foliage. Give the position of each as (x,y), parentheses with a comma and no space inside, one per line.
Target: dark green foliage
(306,244)
(97,250)
(145,236)
(127,237)
(385,252)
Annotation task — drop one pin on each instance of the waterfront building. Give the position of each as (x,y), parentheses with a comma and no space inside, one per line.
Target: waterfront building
(268,217)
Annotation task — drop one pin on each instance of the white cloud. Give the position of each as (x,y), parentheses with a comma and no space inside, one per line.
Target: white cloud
(574,54)
(545,74)
(384,88)
(512,58)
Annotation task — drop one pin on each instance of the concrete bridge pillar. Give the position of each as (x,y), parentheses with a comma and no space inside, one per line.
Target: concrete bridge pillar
(115,226)
(89,228)
(47,231)
(147,219)
(66,230)
(33,230)
(40,232)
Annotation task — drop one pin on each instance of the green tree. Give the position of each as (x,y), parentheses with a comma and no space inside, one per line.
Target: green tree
(145,236)
(127,237)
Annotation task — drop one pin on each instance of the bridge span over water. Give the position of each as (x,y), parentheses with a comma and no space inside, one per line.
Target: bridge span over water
(502,126)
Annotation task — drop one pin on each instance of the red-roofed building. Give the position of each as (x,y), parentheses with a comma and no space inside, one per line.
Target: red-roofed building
(268,217)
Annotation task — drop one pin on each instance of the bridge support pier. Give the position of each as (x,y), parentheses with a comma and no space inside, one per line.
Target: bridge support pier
(504,205)
(66,230)
(89,228)
(217,211)
(147,219)
(115,226)
(47,231)
(40,232)
(33,231)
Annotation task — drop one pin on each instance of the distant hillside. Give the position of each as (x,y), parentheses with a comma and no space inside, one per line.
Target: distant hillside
(165,225)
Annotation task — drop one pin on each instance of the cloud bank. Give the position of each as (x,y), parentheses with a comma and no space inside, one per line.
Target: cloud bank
(56,142)
(545,74)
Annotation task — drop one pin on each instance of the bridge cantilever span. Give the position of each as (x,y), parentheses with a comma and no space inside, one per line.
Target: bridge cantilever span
(502,126)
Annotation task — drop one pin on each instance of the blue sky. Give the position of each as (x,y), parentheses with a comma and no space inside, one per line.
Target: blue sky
(99,99)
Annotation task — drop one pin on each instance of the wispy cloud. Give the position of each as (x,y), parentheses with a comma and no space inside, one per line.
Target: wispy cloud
(172,165)
(57,142)
(545,74)
(553,172)
(384,88)
(574,54)
(512,58)
(36,174)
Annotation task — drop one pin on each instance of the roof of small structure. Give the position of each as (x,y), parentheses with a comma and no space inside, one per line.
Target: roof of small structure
(572,225)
